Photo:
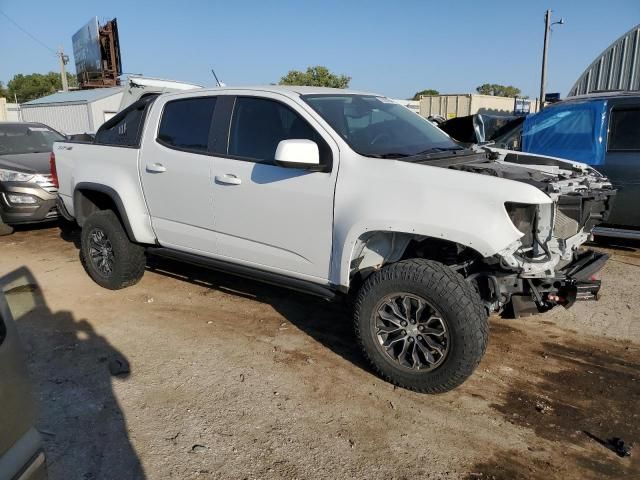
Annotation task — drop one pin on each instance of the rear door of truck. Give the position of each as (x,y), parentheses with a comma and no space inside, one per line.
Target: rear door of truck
(176,169)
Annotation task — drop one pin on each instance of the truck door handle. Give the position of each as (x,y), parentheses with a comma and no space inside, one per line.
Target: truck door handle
(156,168)
(228,178)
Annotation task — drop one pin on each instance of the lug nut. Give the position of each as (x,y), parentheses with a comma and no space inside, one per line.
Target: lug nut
(410,339)
(403,323)
(419,337)
(421,327)
(404,332)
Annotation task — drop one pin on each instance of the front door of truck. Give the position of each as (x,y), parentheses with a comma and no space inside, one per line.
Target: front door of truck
(265,215)
(176,171)
(622,162)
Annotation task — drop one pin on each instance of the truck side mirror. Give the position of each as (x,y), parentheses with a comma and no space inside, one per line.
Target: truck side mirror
(298,153)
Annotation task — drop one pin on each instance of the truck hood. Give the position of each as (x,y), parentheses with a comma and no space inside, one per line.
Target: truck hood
(583,197)
(26,162)
(553,176)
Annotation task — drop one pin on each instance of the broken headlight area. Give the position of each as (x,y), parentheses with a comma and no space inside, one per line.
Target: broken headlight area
(523,217)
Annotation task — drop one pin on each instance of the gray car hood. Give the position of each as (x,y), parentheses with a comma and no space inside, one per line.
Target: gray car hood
(26,162)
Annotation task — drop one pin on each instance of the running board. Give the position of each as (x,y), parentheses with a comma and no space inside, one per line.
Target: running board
(617,233)
(323,291)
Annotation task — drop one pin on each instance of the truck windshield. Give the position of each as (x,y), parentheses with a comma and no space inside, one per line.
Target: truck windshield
(18,138)
(379,127)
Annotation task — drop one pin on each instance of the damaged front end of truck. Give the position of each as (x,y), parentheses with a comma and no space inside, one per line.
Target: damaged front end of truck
(546,266)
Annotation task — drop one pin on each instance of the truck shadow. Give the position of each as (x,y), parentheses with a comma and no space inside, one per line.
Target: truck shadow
(329,323)
(83,428)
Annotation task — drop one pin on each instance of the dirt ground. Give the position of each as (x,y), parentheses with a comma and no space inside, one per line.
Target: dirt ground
(233,379)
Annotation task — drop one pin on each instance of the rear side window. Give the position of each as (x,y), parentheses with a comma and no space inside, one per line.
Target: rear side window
(625,130)
(125,129)
(259,124)
(185,124)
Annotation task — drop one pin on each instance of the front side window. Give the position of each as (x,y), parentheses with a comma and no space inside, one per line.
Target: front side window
(625,130)
(379,127)
(259,124)
(16,138)
(185,124)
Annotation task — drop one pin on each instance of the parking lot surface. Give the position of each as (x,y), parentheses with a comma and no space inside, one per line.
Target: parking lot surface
(196,374)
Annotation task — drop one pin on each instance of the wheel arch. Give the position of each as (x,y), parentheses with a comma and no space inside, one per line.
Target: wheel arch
(374,249)
(91,197)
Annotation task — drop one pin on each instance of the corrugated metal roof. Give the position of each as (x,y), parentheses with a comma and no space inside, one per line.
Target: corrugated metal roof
(617,68)
(76,96)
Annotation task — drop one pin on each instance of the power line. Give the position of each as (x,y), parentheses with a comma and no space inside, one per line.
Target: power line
(28,34)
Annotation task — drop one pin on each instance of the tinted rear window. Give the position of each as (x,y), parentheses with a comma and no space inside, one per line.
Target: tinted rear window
(125,129)
(186,123)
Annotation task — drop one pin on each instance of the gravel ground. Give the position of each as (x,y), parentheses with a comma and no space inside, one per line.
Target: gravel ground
(233,379)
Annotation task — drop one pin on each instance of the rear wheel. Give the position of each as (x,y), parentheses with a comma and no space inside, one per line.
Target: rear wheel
(421,325)
(108,256)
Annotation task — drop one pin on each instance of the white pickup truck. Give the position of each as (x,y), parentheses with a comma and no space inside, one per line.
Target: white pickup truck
(336,193)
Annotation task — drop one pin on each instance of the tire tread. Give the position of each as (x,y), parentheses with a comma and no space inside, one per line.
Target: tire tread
(132,259)
(443,282)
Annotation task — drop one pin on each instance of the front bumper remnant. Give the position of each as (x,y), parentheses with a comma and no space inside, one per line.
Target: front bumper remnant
(580,283)
(575,282)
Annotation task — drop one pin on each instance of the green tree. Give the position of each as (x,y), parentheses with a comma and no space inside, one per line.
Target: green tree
(315,77)
(3,90)
(425,93)
(36,85)
(498,90)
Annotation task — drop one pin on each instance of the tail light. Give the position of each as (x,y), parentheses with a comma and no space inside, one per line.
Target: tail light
(54,171)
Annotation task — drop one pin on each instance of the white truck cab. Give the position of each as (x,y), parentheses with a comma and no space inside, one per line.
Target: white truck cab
(336,192)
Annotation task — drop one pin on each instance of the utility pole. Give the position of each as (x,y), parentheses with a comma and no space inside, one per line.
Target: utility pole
(543,79)
(64,59)
(547,31)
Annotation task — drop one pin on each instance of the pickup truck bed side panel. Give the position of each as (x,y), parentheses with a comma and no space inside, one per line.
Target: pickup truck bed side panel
(113,167)
(482,222)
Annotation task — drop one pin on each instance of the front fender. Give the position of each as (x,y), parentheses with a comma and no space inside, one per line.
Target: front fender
(395,196)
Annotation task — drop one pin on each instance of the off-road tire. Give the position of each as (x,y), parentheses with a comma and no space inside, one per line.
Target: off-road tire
(452,296)
(5,229)
(129,259)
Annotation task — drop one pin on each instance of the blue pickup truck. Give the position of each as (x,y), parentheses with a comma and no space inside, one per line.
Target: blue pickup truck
(601,130)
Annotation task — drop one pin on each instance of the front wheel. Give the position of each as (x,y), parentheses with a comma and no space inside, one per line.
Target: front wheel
(421,325)
(108,256)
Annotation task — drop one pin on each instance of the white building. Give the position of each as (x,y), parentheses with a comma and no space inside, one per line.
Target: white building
(76,111)
(9,112)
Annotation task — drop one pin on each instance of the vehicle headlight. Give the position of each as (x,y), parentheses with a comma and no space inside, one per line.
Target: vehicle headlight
(11,176)
(21,199)
(523,217)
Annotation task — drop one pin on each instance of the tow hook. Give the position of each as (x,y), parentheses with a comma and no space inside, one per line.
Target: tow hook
(557,299)
(573,291)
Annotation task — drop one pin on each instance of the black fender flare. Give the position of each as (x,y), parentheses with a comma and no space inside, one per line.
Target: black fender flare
(109,192)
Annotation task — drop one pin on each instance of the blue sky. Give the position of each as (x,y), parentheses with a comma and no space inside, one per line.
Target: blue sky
(391,47)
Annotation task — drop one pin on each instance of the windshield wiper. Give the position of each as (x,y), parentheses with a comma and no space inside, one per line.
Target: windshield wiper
(389,155)
(438,150)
